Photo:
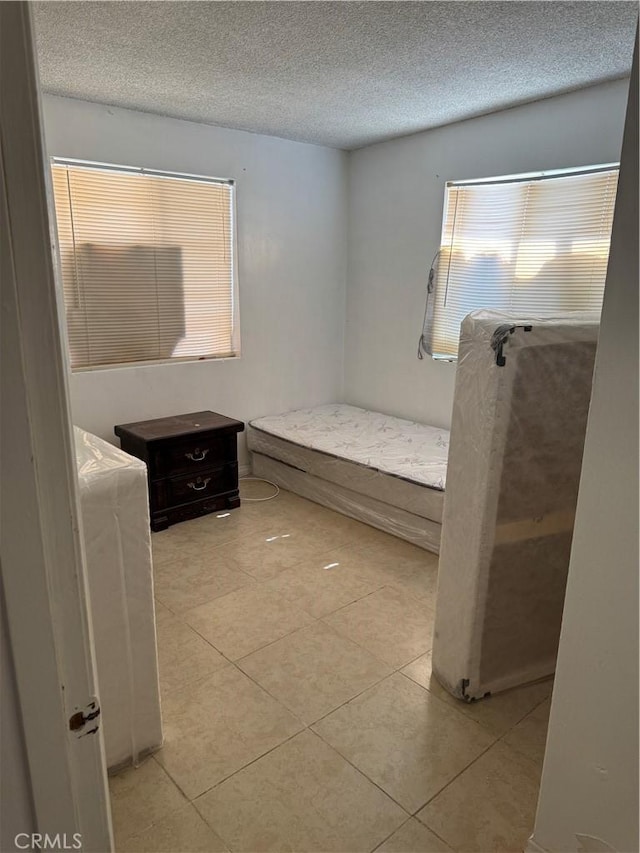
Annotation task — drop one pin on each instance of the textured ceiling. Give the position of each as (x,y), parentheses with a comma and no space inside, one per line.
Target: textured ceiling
(344,74)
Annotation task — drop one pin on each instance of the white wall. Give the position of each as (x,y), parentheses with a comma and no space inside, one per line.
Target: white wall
(589,792)
(291,217)
(292,240)
(396,192)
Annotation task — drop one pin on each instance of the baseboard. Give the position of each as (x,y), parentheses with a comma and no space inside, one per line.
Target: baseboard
(244,470)
(534,847)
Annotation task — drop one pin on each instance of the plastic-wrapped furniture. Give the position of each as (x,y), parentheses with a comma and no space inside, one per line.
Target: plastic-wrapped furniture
(519,419)
(383,470)
(115,524)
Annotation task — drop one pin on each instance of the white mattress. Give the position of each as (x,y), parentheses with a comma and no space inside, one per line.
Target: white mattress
(412,451)
(115,526)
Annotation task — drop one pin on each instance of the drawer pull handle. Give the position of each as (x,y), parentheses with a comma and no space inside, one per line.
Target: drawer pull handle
(199,486)
(198,455)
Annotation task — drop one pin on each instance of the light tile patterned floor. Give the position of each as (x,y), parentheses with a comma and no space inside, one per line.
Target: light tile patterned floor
(299,708)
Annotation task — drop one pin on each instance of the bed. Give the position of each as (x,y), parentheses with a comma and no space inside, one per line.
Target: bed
(385,471)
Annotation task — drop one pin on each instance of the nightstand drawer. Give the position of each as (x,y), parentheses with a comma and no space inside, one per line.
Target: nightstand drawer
(195,486)
(193,455)
(192,463)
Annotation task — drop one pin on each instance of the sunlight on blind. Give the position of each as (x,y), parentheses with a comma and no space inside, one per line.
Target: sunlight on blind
(147,265)
(523,246)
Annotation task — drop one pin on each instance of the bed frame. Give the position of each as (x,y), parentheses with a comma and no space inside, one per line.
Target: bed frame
(382,493)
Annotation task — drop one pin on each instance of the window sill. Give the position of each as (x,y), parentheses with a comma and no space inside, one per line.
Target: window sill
(163,363)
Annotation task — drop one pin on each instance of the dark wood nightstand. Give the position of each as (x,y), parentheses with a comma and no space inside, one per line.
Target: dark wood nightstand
(192,464)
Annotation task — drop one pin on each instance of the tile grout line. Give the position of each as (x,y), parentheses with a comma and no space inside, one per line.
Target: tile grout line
(482,725)
(439,837)
(133,767)
(357,695)
(353,543)
(275,699)
(422,823)
(236,663)
(439,791)
(396,669)
(240,770)
(308,727)
(384,840)
(175,782)
(497,740)
(450,782)
(362,773)
(316,620)
(270,643)
(305,726)
(460,715)
(348,543)
(522,719)
(181,617)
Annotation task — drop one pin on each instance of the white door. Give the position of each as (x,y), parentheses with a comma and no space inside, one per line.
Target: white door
(42,565)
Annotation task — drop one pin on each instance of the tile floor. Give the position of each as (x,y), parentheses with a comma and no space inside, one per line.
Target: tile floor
(300,713)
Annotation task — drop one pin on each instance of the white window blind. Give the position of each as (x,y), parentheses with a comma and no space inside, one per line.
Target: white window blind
(147,265)
(526,245)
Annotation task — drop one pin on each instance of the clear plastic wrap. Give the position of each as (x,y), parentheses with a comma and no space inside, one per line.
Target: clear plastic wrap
(383,470)
(520,409)
(115,526)
(419,500)
(413,528)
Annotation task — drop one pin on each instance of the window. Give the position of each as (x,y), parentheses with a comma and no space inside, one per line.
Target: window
(147,262)
(526,244)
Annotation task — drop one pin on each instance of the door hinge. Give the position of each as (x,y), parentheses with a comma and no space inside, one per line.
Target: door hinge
(86,721)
